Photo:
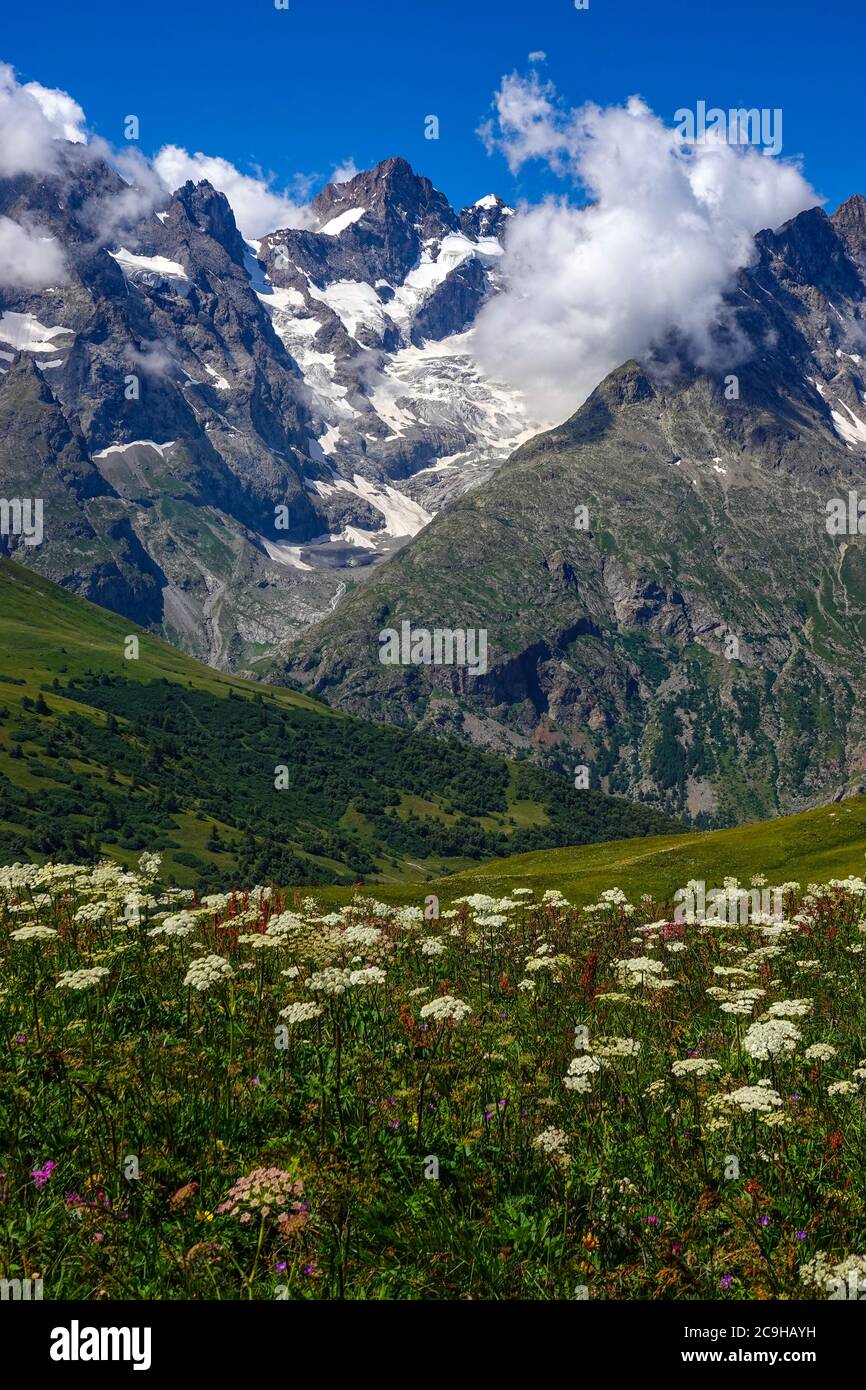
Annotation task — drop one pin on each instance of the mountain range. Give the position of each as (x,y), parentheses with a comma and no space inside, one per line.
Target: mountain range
(224,433)
(271,452)
(669,599)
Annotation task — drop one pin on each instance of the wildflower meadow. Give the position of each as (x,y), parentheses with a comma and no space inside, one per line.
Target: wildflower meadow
(251,1096)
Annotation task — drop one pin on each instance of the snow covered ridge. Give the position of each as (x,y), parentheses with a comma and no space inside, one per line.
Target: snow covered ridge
(490,202)
(387,358)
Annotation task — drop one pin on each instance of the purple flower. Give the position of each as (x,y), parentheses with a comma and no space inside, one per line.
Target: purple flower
(801,1235)
(281,1266)
(765,1220)
(40,1176)
(21,1038)
(727,1280)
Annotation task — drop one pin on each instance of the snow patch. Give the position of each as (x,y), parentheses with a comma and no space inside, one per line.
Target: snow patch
(153,265)
(285,554)
(403,517)
(27,334)
(330,439)
(355,303)
(853,431)
(135,444)
(342,221)
(219,381)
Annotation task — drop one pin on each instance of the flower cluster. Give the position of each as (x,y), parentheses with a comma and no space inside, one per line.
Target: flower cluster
(262,1193)
(206,972)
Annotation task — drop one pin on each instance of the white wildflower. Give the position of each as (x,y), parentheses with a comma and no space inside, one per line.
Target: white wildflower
(207,971)
(82,979)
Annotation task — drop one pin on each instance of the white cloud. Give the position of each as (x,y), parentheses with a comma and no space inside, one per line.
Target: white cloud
(259,208)
(60,110)
(113,217)
(33,119)
(345,172)
(664,232)
(29,258)
(538,56)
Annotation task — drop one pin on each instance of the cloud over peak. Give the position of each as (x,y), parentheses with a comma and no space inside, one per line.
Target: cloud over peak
(653,241)
(258,207)
(33,119)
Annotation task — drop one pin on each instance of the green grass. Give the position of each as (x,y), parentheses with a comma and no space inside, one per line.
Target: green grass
(829,842)
(47,632)
(814,846)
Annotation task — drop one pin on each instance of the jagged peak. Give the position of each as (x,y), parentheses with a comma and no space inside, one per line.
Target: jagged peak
(210,210)
(390,187)
(849,219)
(24,370)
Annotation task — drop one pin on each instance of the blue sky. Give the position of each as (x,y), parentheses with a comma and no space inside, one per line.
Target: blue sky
(302,90)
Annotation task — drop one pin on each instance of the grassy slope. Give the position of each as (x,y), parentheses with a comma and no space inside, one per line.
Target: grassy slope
(829,842)
(44,632)
(47,634)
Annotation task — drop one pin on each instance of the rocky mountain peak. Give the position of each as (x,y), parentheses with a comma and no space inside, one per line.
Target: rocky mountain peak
(488,217)
(625,386)
(390,192)
(850,222)
(210,212)
(809,249)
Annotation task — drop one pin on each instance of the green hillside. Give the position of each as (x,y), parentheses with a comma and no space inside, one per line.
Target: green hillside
(104,751)
(814,846)
(829,842)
